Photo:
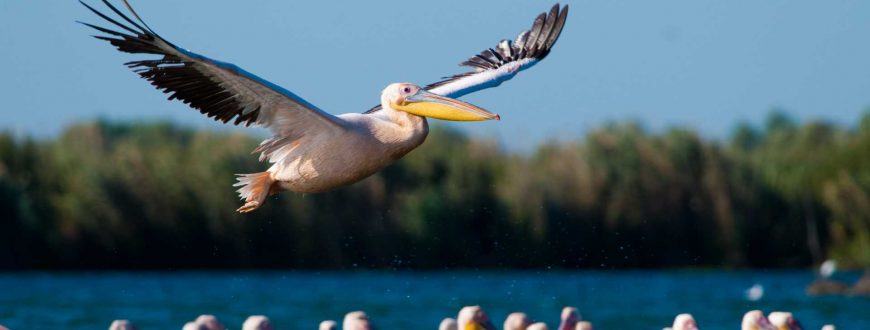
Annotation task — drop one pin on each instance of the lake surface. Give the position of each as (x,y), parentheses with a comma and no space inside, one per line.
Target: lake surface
(413,300)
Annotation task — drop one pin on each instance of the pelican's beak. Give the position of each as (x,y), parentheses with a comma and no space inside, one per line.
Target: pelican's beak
(474,325)
(431,105)
(487,324)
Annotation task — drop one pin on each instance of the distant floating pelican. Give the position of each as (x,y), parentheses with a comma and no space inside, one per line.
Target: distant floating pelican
(755,293)
(208,322)
(193,326)
(356,321)
(684,322)
(516,321)
(473,318)
(583,325)
(828,268)
(784,321)
(569,318)
(312,150)
(755,320)
(448,324)
(117,325)
(328,325)
(538,326)
(257,322)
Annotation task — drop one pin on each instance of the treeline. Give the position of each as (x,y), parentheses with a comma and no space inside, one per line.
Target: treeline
(158,196)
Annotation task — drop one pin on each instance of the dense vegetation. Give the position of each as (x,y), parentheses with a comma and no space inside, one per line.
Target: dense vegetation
(108,195)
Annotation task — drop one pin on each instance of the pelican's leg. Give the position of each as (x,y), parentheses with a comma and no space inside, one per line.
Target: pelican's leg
(255,187)
(249,206)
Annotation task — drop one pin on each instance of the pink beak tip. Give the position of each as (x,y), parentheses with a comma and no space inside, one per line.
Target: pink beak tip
(497,117)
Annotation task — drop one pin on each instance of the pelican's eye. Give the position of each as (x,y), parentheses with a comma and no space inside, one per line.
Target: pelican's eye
(406,90)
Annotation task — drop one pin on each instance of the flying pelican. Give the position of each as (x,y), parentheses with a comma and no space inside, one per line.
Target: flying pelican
(310,149)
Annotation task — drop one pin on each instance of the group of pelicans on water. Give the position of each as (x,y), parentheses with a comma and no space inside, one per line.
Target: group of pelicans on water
(474,318)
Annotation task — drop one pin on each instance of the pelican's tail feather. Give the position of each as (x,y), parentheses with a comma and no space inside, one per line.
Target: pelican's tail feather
(255,187)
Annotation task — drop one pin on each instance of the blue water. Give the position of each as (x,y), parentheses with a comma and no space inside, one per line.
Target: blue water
(411,300)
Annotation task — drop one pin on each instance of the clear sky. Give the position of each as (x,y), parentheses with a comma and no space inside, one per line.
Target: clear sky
(702,64)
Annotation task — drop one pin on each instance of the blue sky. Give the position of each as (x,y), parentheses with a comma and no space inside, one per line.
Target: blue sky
(701,64)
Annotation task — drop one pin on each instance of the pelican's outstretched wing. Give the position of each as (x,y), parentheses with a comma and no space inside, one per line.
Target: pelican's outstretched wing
(494,66)
(219,90)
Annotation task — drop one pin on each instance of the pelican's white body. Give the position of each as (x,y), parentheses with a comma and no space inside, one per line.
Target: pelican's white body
(368,144)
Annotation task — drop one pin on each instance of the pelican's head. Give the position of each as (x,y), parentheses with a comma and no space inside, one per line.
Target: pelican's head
(257,322)
(755,320)
(328,325)
(412,99)
(209,322)
(570,316)
(356,321)
(448,324)
(116,325)
(685,322)
(784,321)
(473,318)
(517,321)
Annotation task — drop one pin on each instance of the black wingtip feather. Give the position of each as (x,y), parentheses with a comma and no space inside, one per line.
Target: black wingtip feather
(135,14)
(172,74)
(557,29)
(547,29)
(108,4)
(535,33)
(105,30)
(109,19)
(543,34)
